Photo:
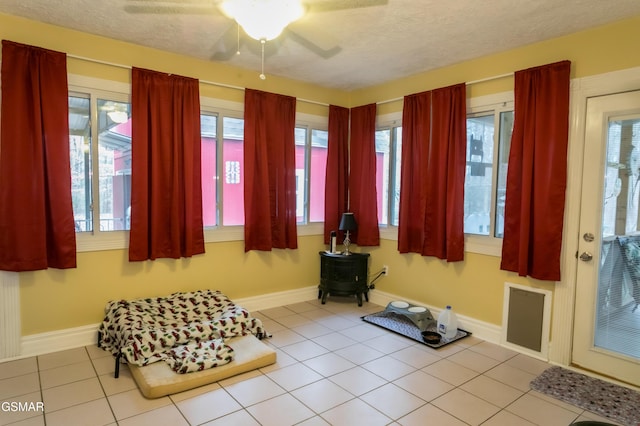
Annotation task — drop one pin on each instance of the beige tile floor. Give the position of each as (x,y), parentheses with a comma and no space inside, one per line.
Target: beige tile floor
(332,369)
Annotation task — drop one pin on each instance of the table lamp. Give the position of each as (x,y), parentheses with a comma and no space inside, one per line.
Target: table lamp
(347,223)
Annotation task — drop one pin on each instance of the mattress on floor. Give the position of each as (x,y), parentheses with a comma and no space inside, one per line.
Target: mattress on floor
(158,379)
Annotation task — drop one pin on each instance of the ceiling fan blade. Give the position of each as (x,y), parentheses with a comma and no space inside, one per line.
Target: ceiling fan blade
(161,7)
(313,36)
(325,50)
(228,45)
(331,5)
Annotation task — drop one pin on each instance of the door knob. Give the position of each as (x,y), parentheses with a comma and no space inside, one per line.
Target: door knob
(586,256)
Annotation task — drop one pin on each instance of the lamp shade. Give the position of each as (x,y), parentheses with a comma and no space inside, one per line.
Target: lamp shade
(348,222)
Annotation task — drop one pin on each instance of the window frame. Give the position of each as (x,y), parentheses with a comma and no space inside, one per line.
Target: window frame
(95,88)
(497,103)
(390,122)
(117,91)
(306,178)
(222,109)
(218,185)
(310,123)
(88,171)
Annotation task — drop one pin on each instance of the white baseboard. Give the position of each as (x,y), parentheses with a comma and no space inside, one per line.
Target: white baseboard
(59,340)
(273,300)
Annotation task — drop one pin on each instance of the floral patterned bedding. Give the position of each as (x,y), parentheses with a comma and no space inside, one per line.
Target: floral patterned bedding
(186,330)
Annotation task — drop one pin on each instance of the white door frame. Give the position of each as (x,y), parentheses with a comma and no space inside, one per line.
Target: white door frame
(565,290)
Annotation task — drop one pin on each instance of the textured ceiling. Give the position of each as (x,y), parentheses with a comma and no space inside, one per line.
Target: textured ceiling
(343,48)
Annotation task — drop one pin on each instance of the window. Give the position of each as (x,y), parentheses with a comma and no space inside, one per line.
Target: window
(100,154)
(80,156)
(388,167)
(383,143)
(319,146)
(311,165)
(233,160)
(620,213)
(506,128)
(486,172)
(114,165)
(208,154)
(301,169)
(112,190)
(396,161)
(478,182)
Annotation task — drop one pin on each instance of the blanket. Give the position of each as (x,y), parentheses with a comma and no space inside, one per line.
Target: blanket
(200,356)
(187,330)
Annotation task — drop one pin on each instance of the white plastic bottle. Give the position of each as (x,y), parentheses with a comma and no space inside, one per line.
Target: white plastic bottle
(448,323)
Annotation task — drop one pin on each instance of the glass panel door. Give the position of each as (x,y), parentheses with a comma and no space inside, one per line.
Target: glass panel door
(607,317)
(619,282)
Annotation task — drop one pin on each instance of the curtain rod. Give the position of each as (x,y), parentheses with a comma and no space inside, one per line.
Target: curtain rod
(230,86)
(468,83)
(212,83)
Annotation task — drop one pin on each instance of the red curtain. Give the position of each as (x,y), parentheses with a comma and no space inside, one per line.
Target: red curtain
(36,214)
(537,174)
(166,188)
(416,134)
(362,176)
(336,190)
(433,171)
(269,171)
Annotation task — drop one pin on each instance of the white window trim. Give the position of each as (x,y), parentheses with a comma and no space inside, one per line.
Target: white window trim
(488,244)
(86,241)
(388,121)
(480,244)
(118,240)
(113,90)
(309,123)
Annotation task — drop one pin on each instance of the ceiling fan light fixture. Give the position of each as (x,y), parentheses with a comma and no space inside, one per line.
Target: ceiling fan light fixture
(263,19)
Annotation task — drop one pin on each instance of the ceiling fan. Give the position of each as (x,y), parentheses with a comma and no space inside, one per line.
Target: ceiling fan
(293,18)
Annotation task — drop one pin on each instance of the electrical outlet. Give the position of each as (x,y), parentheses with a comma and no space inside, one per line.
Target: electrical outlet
(385,270)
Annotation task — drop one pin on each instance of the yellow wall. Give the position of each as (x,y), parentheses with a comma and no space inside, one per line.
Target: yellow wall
(473,287)
(85,45)
(54,299)
(603,49)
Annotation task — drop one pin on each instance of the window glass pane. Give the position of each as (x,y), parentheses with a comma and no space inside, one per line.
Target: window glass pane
(301,187)
(233,169)
(620,210)
(114,164)
(612,182)
(80,156)
(208,129)
(396,170)
(506,128)
(319,146)
(479,174)
(382,173)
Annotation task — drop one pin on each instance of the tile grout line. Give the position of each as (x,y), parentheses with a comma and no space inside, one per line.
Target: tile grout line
(335,316)
(104,392)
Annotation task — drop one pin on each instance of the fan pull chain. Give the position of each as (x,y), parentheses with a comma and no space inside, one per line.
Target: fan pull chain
(238,35)
(262,76)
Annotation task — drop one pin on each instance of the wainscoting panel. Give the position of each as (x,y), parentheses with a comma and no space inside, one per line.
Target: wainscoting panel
(9,314)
